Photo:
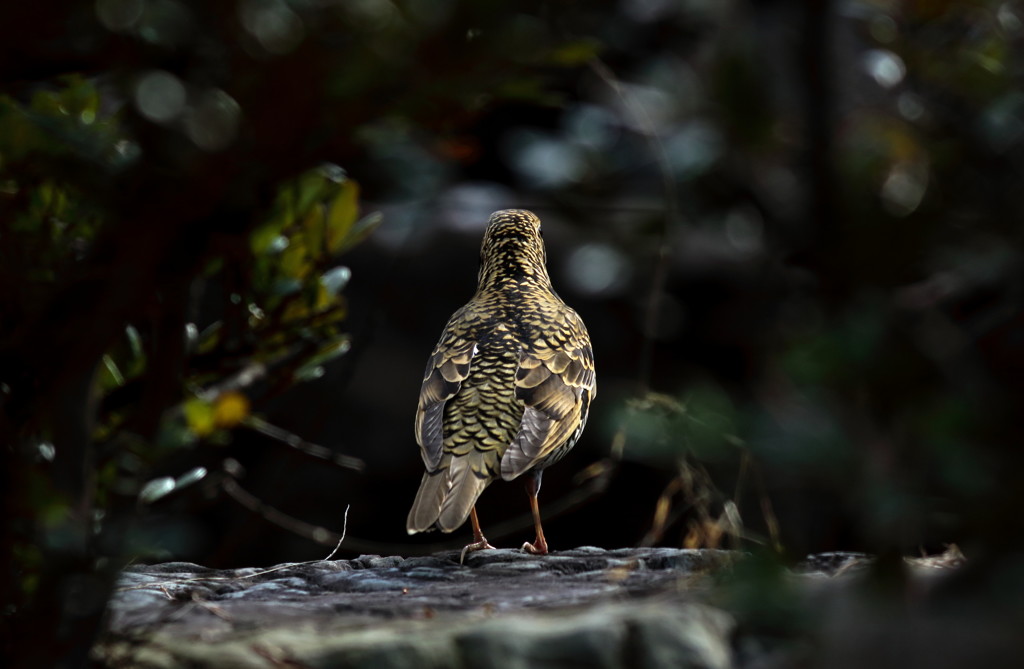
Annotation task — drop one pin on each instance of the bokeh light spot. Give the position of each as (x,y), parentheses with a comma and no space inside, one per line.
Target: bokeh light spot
(1002,124)
(212,122)
(591,126)
(543,160)
(744,229)
(885,67)
(904,188)
(693,149)
(910,106)
(160,96)
(597,269)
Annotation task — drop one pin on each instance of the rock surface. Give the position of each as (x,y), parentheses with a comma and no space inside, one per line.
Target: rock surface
(646,608)
(584,607)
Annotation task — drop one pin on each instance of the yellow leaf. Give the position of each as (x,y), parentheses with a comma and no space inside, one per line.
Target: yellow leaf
(324,298)
(230,409)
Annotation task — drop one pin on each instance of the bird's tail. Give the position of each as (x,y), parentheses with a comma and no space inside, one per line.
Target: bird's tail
(427,505)
(467,485)
(446,497)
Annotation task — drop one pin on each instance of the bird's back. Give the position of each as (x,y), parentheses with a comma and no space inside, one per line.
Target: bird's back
(508,386)
(483,417)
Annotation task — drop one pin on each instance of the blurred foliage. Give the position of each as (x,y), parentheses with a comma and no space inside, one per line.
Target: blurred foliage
(846,269)
(286,318)
(50,220)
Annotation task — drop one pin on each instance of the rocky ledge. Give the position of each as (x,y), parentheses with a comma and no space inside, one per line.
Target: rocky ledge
(587,607)
(583,607)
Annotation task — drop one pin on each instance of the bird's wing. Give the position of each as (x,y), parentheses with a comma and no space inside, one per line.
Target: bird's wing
(447,368)
(556,382)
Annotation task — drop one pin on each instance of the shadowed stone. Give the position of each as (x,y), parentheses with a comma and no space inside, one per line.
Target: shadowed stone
(502,608)
(636,608)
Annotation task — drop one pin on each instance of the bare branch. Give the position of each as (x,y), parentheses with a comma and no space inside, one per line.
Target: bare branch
(300,444)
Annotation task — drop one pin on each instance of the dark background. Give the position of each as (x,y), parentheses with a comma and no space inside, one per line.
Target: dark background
(792,228)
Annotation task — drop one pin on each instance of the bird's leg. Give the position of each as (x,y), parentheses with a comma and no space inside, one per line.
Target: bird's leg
(479,540)
(539,545)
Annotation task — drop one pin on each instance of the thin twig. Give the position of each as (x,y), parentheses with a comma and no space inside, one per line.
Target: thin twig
(298,443)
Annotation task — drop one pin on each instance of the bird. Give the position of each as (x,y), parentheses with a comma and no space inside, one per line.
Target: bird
(507,389)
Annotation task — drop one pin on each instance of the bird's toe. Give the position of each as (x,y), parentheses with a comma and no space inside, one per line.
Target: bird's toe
(537,548)
(478,546)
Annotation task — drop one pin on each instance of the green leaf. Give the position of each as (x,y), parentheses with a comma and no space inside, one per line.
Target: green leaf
(264,237)
(293,204)
(311,188)
(342,214)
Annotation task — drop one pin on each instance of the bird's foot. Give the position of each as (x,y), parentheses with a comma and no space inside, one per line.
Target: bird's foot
(538,547)
(481,545)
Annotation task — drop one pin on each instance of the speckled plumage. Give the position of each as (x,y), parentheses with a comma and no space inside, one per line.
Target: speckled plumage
(508,386)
